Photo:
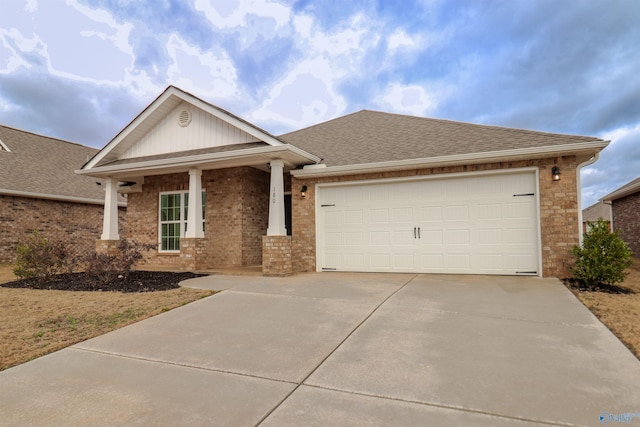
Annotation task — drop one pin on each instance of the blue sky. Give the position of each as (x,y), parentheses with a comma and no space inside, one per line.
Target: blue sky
(82,70)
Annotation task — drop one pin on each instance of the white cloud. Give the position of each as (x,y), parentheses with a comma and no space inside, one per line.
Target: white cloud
(408,99)
(400,39)
(230,15)
(204,73)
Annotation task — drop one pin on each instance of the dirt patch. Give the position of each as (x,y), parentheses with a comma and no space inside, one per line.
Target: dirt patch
(618,307)
(36,322)
(136,281)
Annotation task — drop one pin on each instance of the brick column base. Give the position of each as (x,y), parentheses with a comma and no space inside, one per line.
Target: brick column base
(107,247)
(193,254)
(276,256)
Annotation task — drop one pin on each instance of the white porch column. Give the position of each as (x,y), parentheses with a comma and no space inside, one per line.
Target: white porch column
(276,200)
(110,219)
(194,216)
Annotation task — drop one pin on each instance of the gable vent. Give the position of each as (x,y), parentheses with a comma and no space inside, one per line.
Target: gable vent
(184,118)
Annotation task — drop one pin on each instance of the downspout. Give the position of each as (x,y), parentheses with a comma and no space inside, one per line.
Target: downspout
(591,161)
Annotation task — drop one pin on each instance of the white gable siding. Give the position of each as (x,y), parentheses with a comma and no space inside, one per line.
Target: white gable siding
(204,131)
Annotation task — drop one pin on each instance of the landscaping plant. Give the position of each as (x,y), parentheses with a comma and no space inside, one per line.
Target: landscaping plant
(104,269)
(39,259)
(603,257)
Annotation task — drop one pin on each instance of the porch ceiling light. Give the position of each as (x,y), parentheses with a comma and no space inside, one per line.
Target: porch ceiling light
(303,191)
(555,173)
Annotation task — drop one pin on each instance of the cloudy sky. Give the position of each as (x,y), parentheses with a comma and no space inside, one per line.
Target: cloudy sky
(81,70)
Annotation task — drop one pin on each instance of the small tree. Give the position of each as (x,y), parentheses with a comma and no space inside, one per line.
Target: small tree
(39,258)
(602,258)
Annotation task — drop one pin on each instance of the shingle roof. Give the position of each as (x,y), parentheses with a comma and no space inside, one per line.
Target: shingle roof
(372,136)
(627,189)
(42,165)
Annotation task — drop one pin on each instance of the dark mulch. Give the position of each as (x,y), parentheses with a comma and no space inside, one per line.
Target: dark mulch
(608,289)
(136,281)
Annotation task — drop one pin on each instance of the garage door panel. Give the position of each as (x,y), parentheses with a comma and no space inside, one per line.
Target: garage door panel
(470,225)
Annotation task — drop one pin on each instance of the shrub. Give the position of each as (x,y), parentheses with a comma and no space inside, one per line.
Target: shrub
(602,258)
(104,269)
(39,258)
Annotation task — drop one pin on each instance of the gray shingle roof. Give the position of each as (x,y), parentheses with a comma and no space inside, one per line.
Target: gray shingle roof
(43,165)
(630,187)
(372,136)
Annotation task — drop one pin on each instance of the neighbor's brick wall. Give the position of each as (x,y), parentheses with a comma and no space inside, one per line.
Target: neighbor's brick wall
(626,218)
(77,223)
(235,220)
(558,210)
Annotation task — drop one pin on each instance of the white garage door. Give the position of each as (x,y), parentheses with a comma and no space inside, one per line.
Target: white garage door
(472,224)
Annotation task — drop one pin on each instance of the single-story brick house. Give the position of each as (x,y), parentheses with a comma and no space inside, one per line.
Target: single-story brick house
(625,211)
(368,191)
(597,211)
(40,191)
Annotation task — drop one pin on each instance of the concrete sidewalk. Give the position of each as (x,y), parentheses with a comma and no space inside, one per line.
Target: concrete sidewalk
(341,349)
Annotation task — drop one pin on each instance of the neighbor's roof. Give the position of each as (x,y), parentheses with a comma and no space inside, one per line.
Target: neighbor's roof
(626,190)
(598,210)
(368,137)
(42,167)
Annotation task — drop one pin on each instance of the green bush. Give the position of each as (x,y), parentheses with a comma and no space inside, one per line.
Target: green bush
(602,258)
(39,259)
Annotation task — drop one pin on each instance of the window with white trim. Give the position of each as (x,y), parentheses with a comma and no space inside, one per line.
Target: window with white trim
(173,219)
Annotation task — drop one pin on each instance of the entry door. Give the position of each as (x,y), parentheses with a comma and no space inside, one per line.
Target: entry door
(475,224)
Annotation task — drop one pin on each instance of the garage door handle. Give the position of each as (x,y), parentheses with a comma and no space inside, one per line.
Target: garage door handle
(419,233)
(414,233)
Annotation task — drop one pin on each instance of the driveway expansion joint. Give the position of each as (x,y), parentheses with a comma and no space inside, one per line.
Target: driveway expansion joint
(181,365)
(443,406)
(367,317)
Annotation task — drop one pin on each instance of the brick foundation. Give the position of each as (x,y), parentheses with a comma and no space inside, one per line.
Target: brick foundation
(193,254)
(276,256)
(107,247)
(558,210)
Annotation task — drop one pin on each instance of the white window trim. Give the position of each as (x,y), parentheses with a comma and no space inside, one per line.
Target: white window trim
(183,218)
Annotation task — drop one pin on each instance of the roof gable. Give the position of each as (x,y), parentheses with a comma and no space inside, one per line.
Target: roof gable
(369,137)
(178,121)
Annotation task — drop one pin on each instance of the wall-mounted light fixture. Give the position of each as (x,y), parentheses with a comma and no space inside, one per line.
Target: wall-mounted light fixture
(555,173)
(303,191)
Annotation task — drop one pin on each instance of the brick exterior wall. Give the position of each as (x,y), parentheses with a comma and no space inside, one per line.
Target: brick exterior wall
(236,216)
(276,256)
(626,218)
(77,223)
(558,210)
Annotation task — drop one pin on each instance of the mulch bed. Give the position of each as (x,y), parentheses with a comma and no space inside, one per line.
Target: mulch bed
(136,281)
(608,289)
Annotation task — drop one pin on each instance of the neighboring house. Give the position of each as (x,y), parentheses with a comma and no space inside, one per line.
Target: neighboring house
(369,191)
(625,208)
(40,191)
(595,212)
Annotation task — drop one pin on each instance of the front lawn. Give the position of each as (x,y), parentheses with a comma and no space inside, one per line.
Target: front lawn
(36,322)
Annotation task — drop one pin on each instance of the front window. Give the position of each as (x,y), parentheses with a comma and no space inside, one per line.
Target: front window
(173,219)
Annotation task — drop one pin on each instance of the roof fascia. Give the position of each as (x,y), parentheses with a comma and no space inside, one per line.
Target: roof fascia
(173,91)
(72,199)
(621,192)
(191,161)
(452,160)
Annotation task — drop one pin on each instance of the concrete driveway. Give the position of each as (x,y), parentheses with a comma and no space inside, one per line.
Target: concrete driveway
(341,349)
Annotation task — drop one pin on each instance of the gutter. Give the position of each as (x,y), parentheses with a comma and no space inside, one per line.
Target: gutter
(313,171)
(591,161)
(84,200)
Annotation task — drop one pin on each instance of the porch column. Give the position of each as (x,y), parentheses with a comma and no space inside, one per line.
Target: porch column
(110,219)
(276,200)
(194,215)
